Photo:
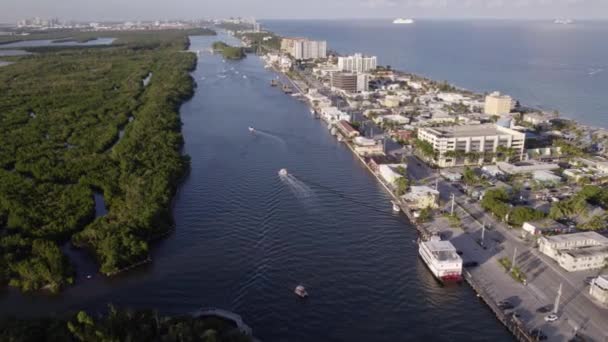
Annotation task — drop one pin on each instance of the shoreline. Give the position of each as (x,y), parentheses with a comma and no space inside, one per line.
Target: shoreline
(477,277)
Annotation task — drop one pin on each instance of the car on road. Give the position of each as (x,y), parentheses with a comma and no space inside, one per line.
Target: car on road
(504,305)
(544,309)
(551,318)
(538,334)
(470,264)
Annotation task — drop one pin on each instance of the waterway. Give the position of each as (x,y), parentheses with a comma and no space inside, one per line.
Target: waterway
(245,237)
(563,67)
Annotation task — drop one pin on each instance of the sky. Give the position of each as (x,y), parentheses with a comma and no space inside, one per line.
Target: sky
(87,10)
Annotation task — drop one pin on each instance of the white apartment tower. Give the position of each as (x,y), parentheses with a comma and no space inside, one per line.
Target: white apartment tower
(357,63)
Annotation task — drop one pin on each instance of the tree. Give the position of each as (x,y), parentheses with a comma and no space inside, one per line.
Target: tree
(520,214)
(402,184)
(426,215)
(469,176)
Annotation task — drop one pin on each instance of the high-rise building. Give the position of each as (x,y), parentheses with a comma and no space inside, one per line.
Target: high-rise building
(497,104)
(302,48)
(350,82)
(357,63)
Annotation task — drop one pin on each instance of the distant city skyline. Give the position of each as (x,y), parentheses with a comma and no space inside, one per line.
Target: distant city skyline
(90,10)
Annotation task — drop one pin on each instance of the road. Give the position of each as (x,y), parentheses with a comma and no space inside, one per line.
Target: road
(576,312)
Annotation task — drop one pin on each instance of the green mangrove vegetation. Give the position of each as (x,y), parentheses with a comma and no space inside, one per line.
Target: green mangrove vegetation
(229,52)
(121,325)
(78,121)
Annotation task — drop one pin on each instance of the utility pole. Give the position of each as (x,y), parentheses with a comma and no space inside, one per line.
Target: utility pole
(483,233)
(452,210)
(557,299)
(513,262)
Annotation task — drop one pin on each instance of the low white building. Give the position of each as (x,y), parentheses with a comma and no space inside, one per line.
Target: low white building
(543,226)
(390,172)
(367,147)
(398,119)
(492,170)
(421,197)
(576,252)
(525,167)
(317,99)
(333,114)
(546,177)
(451,176)
(392,101)
(599,288)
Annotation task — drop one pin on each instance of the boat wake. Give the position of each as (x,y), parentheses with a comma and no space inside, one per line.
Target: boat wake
(271,136)
(299,188)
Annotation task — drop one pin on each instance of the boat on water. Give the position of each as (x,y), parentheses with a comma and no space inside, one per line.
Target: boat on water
(396,207)
(283,172)
(287,89)
(300,291)
(274,83)
(251,129)
(441,258)
(402,21)
(563,21)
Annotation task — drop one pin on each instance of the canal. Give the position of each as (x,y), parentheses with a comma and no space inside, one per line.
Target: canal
(245,237)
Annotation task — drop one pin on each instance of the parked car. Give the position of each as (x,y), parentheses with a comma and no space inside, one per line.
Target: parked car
(544,309)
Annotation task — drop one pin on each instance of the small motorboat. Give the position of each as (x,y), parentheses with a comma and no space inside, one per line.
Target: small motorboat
(300,291)
(283,172)
(89,276)
(396,207)
(251,129)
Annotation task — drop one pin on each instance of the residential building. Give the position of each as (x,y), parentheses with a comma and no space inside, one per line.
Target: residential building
(497,104)
(350,82)
(544,226)
(576,252)
(471,144)
(368,147)
(536,118)
(546,177)
(317,99)
(599,288)
(333,114)
(392,101)
(421,197)
(346,130)
(302,48)
(600,165)
(357,63)
(529,166)
(390,172)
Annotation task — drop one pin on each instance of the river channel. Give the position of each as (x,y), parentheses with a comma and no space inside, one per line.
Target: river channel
(245,237)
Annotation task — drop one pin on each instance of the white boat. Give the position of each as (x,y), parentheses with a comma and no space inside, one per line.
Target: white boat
(441,258)
(300,291)
(563,21)
(283,172)
(402,21)
(251,129)
(396,207)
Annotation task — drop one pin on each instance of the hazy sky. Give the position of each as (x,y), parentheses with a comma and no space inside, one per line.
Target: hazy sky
(12,10)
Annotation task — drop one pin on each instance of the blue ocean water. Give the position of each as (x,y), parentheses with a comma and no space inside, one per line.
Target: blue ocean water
(542,64)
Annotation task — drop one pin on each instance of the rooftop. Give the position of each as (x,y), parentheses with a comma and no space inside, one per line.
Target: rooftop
(578,237)
(469,131)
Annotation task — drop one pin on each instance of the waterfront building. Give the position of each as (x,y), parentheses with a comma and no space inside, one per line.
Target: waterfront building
(367,147)
(576,252)
(333,114)
(317,99)
(357,63)
(599,288)
(390,172)
(302,48)
(471,144)
(346,130)
(421,197)
(497,104)
(350,82)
